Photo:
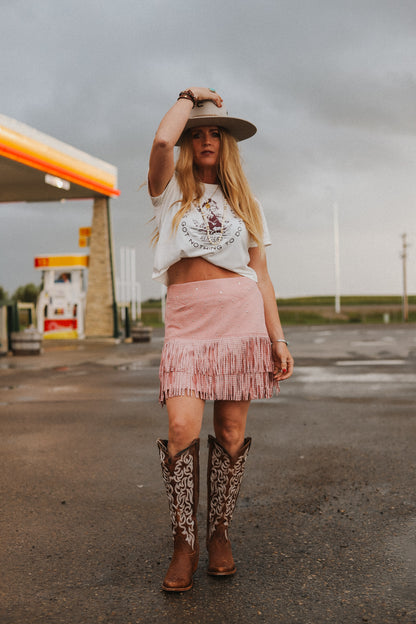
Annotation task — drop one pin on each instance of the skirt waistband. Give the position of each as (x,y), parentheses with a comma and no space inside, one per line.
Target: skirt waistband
(210,284)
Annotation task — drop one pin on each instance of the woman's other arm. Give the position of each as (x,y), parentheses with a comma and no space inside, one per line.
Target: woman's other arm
(281,354)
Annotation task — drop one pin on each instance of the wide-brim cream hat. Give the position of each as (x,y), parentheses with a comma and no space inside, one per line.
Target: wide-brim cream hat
(206,113)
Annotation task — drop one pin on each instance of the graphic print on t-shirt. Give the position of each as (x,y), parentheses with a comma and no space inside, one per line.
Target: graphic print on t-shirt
(207,226)
(212,221)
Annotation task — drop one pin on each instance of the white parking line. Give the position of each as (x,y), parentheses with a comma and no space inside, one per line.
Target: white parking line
(370,362)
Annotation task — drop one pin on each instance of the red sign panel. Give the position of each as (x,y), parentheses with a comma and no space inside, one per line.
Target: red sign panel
(56,324)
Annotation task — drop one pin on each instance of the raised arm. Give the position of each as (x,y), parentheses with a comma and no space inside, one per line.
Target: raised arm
(161,163)
(281,355)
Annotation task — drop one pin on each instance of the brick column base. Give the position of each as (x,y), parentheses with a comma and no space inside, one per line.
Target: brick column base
(99,316)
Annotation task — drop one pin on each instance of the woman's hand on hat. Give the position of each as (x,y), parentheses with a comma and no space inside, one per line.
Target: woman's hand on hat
(283,361)
(203,93)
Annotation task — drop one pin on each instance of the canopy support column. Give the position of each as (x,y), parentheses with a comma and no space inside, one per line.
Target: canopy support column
(101,308)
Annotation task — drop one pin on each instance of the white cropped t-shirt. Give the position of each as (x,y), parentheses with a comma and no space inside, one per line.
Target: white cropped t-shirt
(210,230)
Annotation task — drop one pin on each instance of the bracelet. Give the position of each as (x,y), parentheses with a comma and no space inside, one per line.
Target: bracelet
(281,340)
(187,95)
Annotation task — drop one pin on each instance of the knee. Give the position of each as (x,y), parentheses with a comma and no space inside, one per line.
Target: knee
(181,435)
(178,429)
(231,438)
(185,419)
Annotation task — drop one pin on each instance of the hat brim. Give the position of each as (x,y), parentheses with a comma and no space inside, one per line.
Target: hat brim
(240,129)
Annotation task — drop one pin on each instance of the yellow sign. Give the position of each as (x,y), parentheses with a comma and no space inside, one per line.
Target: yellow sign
(84,237)
(49,262)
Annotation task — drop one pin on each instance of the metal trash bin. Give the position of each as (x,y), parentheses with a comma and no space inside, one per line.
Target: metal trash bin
(141,333)
(27,342)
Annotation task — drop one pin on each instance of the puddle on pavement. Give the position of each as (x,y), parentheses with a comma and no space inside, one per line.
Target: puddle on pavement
(139,365)
(18,387)
(318,374)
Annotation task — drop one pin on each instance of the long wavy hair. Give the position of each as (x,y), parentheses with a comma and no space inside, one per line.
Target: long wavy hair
(232,180)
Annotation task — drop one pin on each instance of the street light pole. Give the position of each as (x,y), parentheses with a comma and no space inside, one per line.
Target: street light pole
(405,298)
(336,259)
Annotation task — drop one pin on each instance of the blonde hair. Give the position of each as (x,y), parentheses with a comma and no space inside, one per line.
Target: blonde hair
(232,179)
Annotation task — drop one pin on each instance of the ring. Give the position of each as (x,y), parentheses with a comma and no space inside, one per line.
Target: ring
(212,90)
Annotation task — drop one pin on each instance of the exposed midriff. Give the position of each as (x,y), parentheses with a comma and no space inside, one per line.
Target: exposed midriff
(194,270)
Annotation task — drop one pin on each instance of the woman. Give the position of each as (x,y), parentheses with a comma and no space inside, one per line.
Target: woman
(223,337)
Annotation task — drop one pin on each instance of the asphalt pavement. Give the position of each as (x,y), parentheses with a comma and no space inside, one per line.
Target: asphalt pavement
(325,526)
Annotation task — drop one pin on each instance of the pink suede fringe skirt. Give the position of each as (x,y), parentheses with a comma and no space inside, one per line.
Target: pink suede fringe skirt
(216,342)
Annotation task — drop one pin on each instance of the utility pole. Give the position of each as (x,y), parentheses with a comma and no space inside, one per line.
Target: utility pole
(404,258)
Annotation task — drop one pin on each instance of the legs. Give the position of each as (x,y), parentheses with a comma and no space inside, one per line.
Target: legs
(180,470)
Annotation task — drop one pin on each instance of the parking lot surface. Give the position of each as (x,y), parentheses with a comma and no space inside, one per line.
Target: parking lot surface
(325,526)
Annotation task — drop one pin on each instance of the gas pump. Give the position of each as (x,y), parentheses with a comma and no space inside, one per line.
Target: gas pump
(60,308)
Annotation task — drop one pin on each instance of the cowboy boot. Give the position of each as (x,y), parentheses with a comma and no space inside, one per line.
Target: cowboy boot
(225,474)
(181,476)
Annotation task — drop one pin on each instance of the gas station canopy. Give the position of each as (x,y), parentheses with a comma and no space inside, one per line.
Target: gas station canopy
(37,167)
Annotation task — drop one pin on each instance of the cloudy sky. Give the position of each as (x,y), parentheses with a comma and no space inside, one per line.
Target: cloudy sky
(330,84)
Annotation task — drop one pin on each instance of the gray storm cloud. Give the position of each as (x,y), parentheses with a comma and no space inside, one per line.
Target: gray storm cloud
(330,85)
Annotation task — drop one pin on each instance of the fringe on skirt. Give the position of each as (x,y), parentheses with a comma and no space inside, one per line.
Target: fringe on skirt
(216,342)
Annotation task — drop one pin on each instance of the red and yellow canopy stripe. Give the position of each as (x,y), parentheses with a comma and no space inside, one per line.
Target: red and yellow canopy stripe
(33,153)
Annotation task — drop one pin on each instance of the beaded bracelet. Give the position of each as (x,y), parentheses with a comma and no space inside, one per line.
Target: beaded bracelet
(281,340)
(187,95)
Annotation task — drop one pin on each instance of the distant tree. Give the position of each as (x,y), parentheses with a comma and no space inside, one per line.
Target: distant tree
(4,295)
(27,294)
